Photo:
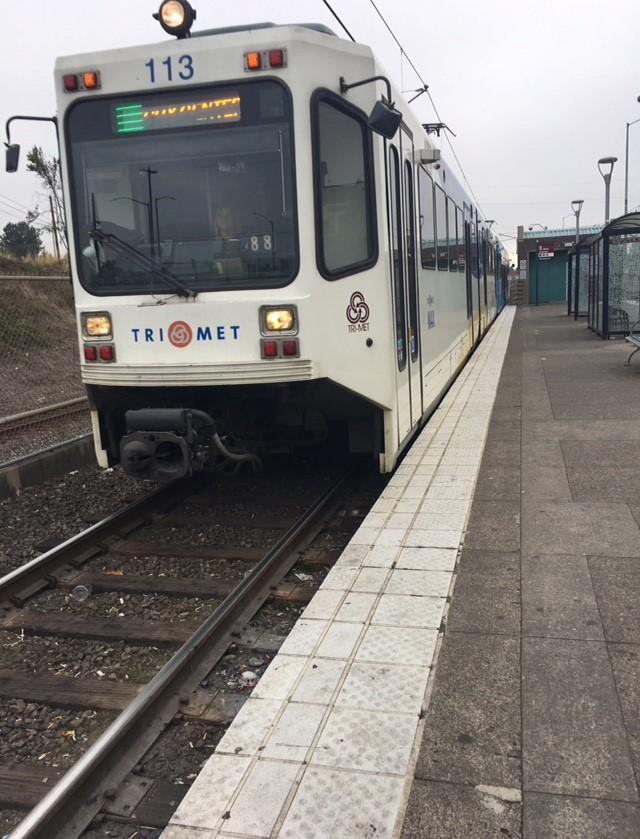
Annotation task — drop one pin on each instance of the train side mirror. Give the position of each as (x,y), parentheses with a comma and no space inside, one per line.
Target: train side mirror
(384,119)
(12,156)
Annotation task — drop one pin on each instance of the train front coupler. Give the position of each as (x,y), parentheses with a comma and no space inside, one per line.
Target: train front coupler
(169,443)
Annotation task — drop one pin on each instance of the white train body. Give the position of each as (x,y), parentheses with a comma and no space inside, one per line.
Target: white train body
(178,129)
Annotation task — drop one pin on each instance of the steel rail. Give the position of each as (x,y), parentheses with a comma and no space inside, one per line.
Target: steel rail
(83,786)
(56,277)
(41,569)
(45,409)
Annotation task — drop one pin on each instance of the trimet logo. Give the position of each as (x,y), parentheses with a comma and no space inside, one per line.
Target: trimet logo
(180,334)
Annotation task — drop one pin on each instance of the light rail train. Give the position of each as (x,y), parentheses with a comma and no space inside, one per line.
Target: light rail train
(264,249)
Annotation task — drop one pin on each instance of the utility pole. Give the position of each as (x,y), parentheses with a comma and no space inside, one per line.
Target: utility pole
(576,206)
(54,229)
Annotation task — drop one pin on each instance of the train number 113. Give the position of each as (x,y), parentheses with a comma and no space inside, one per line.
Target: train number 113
(185,71)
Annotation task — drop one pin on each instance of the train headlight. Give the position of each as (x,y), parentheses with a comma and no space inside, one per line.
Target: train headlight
(282,320)
(96,325)
(176,17)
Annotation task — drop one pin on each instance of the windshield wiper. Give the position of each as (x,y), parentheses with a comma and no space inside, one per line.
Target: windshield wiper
(143,261)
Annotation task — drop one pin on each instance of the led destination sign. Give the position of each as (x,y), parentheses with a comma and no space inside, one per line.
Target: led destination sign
(132,119)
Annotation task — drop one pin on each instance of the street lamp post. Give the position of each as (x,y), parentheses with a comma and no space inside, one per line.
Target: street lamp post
(610,162)
(626,165)
(537,224)
(576,206)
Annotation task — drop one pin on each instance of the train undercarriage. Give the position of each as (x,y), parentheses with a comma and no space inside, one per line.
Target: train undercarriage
(167,433)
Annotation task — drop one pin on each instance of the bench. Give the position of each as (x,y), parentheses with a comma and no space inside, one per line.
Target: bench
(633,338)
(618,320)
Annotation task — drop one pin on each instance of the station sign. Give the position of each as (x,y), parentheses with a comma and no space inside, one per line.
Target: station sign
(545,252)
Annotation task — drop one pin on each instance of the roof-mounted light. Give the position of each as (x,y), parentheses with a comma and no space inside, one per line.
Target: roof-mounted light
(87,80)
(176,17)
(264,59)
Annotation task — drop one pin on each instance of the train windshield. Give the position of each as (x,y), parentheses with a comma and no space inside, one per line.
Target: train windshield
(188,190)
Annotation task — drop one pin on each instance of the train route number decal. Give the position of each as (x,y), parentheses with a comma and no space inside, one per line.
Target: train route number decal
(180,334)
(358,313)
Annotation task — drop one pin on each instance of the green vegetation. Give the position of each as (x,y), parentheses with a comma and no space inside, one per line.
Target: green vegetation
(20,239)
(41,266)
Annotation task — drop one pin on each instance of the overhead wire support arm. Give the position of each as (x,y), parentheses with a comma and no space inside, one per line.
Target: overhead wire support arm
(436,128)
(418,92)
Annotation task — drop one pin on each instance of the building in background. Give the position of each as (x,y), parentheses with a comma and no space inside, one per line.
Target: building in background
(542,263)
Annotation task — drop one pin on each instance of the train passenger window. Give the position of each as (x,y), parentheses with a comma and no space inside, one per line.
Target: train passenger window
(460,228)
(343,188)
(409,215)
(484,253)
(453,236)
(441,227)
(184,189)
(427,231)
(474,244)
(398,258)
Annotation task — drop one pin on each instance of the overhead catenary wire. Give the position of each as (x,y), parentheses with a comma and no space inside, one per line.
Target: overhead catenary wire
(337,17)
(18,205)
(12,212)
(403,54)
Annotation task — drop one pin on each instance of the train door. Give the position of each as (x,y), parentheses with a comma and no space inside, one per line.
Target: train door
(398,280)
(475,278)
(484,280)
(473,311)
(411,279)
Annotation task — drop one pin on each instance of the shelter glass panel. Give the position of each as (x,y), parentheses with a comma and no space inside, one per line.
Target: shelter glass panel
(624,281)
(583,288)
(591,283)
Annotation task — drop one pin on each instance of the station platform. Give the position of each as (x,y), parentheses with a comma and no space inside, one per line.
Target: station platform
(471,666)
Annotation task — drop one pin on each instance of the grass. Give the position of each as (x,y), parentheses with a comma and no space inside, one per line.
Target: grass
(41,266)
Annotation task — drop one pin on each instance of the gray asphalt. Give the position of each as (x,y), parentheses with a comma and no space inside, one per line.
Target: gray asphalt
(533,729)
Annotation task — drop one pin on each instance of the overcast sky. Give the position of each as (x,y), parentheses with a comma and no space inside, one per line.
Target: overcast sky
(536,92)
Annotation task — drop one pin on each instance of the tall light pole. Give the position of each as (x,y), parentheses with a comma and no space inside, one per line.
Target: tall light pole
(576,206)
(610,162)
(626,165)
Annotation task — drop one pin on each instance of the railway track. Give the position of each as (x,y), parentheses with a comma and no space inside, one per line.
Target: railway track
(46,414)
(107,779)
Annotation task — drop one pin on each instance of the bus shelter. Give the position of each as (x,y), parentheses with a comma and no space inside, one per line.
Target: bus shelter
(604,273)
(578,282)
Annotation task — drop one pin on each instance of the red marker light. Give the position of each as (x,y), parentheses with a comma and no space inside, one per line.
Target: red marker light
(70,82)
(270,349)
(90,353)
(276,58)
(290,347)
(106,353)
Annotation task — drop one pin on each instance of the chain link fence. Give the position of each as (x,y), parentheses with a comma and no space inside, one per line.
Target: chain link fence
(42,400)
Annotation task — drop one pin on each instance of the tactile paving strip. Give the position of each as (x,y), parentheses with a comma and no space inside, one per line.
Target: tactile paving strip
(324,746)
